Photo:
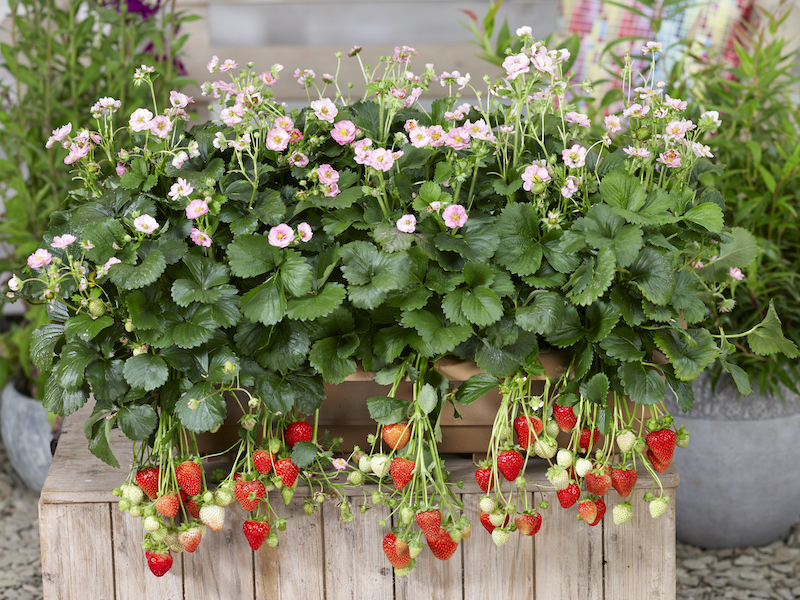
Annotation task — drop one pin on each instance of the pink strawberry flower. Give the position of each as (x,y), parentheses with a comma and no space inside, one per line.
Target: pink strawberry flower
(580,119)
(534,174)
(736,273)
(228,65)
(284,122)
(574,157)
(516,65)
(160,126)
(675,103)
(380,159)
(179,100)
(60,135)
(325,110)
(121,168)
(407,223)
(637,152)
(140,119)
(454,216)
(298,159)
(180,188)
(612,123)
(419,137)
(110,263)
(196,208)
(280,236)
(670,158)
(62,241)
(412,97)
(458,138)
(696,264)
(145,224)
(200,238)
(330,190)
(327,174)
(570,186)
(180,158)
(277,139)
(343,132)
(40,258)
(212,64)
(304,231)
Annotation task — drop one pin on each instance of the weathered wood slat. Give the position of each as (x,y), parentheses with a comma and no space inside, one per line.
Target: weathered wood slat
(76,542)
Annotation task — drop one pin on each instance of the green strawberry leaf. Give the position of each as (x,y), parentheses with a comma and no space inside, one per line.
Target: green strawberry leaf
(481,306)
(476,387)
(303,454)
(707,215)
(324,357)
(427,399)
(624,344)
(596,389)
(85,327)
(518,227)
(385,410)
(653,275)
(274,393)
(689,352)
(767,337)
(544,315)
(201,409)
(644,386)
(43,342)
(138,421)
(132,277)
(146,371)
(251,255)
(313,306)
(265,303)
(61,401)
(740,250)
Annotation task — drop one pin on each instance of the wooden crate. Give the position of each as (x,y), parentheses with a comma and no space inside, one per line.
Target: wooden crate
(91,550)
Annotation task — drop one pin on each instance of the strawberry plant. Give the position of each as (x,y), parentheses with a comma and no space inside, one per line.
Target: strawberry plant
(249,260)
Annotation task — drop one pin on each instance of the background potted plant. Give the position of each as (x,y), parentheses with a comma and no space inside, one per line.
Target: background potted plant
(267,254)
(57,61)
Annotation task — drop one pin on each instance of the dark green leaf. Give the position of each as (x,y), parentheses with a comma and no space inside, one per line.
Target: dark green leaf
(309,392)
(385,410)
(138,421)
(325,359)
(644,386)
(707,215)
(85,327)
(622,190)
(251,255)
(62,401)
(265,303)
(201,409)
(130,277)
(739,251)
(274,393)
(43,343)
(689,352)
(303,454)
(481,306)
(684,393)
(427,399)
(99,442)
(623,344)
(596,389)
(653,275)
(544,315)
(475,387)
(768,338)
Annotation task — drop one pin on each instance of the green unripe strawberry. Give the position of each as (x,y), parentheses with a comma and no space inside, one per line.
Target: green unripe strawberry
(272,539)
(274,445)
(545,447)
(622,513)
(414,548)
(355,478)
(363,464)
(151,524)
(132,492)
(551,428)
(455,535)
(287,494)
(160,534)
(640,445)
(500,537)
(129,326)
(658,507)
(97,308)
(136,511)
(538,188)
(682,440)
(406,515)
(642,134)
(223,496)
(124,505)
(487,504)
(405,570)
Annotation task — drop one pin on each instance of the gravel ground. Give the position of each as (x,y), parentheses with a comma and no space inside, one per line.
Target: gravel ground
(770,572)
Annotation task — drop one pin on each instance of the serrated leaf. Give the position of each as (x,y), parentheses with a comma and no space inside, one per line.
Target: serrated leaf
(43,342)
(391,238)
(739,251)
(595,390)
(265,303)
(622,190)
(689,357)
(601,318)
(653,275)
(475,387)
(683,391)
(146,371)
(481,306)
(309,391)
(389,342)
(251,255)
(644,386)
(201,409)
(427,399)
(507,360)
(99,442)
(296,274)
(430,329)
(768,338)
(568,331)
(107,380)
(385,410)
(544,315)
(61,401)
(602,275)
(85,327)
(274,393)
(518,227)
(311,307)
(133,277)
(739,376)
(623,344)
(71,366)
(287,347)
(303,454)
(602,228)
(325,359)
(137,421)
(707,215)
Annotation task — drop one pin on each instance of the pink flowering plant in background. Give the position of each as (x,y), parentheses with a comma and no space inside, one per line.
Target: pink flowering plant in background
(270,251)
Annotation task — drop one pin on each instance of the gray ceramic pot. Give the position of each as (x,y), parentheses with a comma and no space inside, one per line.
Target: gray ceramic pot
(26,435)
(739,484)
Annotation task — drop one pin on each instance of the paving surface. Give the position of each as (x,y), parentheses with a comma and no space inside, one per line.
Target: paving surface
(770,572)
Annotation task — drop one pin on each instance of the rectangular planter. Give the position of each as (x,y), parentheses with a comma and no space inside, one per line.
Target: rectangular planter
(91,550)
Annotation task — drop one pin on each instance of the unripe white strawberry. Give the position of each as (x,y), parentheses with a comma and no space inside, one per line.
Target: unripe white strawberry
(500,537)
(625,441)
(487,504)
(355,478)
(176,547)
(559,477)
(97,308)
(497,518)
(455,535)
(405,570)
(640,445)
(414,548)
(274,445)
(682,438)
(136,511)
(504,432)
(377,497)
(213,516)
(380,465)
(622,513)
(132,492)
(552,429)
(545,447)
(272,539)
(223,496)
(159,534)
(124,505)
(171,539)
(658,507)
(151,524)
(363,464)
(406,515)
(582,467)
(564,458)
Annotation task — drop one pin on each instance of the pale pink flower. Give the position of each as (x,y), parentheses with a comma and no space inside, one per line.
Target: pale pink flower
(419,137)
(403,54)
(652,47)
(281,236)
(532,175)
(675,103)
(200,238)
(15,284)
(268,78)
(325,110)
(219,141)
(362,150)
(304,231)
(232,115)
(60,135)
(343,132)
(339,463)
(330,189)
(62,241)
(398,92)
(380,159)
(710,119)
(570,186)
(437,135)
(580,119)
(193,148)
(736,273)
(434,206)
(121,168)
(110,263)
(458,138)
(661,112)
(454,216)
(241,143)
(298,159)
(636,110)
(412,97)
(695,264)
(284,122)
(637,152)
(105,105)
(574,157)
(140,119)
(678,129)
(516,65)
(196,208)
(180,189)
(670,158)
(410,124)
(479,129)
(542,61)
(613,124)
(212,64)
(701,150)
(40,258)
(277,139)
(145,224)
(228,65)
(160,126)
(327,174)
(305,77)
(180,158)
(179,100)
(407,223)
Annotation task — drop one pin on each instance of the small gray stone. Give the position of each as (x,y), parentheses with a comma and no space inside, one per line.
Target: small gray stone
(745,560)
(796,591)
(695,564)
(783,568)
(687,580)
(750,575)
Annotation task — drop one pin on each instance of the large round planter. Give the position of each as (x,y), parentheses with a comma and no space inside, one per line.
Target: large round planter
(26,433)
(738,484)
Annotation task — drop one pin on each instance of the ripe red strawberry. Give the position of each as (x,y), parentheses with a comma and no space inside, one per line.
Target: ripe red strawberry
(601,510)
(159,562)
(299,431)
(256,531)
(526,427)
(429,521)
(598,480)
(190,538)
(510,463)
(587,509)
(396,435)
(565,417)
(148,481)
(528,523)
(484,478)
(390,550)
(569,496)
(659,466)
(623,479)
(263,461)
(287,471)
(249,493)
(662,443)
(168,505)
(189,475)
(588,439)
(486,522)
(442,545)
(402,470)
(194,508)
